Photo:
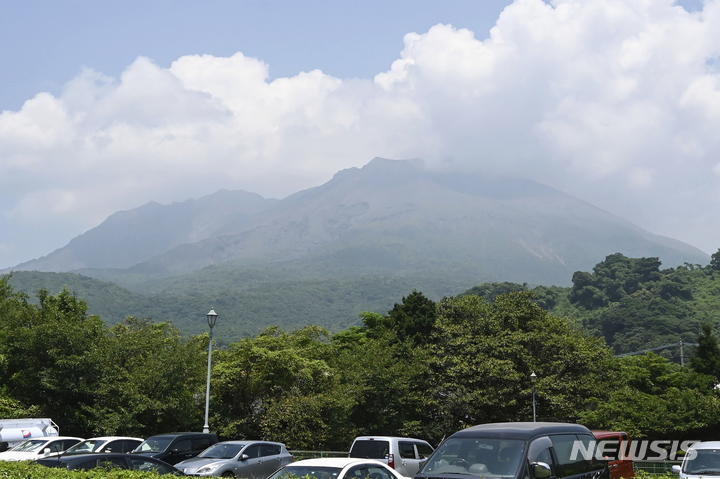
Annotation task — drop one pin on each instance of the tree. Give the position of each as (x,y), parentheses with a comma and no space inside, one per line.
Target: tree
(715,261)
(706,355)
(50,354)
(153,380)
(483,353)
(652,397)
(279,385)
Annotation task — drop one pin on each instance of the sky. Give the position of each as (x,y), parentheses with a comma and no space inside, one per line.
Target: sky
(105,106)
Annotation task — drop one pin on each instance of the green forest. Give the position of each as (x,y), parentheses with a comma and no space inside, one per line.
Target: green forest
(423,369)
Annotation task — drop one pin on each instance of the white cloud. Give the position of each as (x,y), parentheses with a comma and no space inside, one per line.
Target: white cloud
(615,101)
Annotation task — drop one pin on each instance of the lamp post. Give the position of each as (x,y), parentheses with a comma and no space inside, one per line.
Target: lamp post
(533,378)
(211,318)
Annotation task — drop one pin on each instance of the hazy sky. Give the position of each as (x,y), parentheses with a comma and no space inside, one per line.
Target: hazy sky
(108,105)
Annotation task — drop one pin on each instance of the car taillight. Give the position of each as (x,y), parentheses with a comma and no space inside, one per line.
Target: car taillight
(391,461)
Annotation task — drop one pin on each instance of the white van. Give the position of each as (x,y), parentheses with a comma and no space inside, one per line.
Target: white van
(701,460)
(404,454)
(15,431)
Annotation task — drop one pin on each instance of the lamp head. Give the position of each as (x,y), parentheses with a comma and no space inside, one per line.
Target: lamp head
(212,317)
(533,377)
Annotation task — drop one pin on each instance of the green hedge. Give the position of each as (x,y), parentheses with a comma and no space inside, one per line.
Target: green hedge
(25,470)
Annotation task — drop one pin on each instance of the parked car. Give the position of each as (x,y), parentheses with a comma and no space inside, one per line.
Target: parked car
(177,446)
(516,450)
(617,450)
(337,468)
(104,444)
(701,460)
(109,461)
(249,459)
(404,454)
(38,447)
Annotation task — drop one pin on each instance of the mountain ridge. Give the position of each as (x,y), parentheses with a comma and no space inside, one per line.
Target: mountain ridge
(406,215)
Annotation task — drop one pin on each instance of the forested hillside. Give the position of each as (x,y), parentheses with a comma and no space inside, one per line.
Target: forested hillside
(424,369)
(633,303)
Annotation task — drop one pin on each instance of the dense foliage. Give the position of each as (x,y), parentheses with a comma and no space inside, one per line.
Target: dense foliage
(424,369)
(25,470)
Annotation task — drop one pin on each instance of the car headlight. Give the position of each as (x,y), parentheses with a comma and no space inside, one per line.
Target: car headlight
(209,468)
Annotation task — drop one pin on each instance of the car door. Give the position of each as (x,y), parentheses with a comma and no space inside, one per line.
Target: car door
(270,454)
(179,451)
(252,466)
(570,461)
(408,463)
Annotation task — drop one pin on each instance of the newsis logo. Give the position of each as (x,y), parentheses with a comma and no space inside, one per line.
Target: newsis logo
(610,450)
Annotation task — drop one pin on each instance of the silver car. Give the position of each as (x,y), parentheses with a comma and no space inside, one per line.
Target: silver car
(248,459)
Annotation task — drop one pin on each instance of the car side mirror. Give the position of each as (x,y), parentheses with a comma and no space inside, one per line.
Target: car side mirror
(676,469)
(244,457)
(540,470)
(46,450)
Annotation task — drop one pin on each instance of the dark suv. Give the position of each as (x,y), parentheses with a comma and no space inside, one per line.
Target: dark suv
(521,450)
(177,446)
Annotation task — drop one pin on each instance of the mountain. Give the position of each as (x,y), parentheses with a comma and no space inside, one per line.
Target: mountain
(388,218)
(127,238)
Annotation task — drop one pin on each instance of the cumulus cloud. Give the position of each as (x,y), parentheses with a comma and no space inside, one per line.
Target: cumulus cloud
(615,101)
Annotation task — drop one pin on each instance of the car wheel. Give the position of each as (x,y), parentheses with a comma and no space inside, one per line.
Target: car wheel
(227,474)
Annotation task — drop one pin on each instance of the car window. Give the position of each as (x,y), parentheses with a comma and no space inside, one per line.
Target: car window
(201,443)
(356,472)
(147,466)
(370,449)
(253,451)
(269,450)
(406,450)
(378,472)
(128,445)
(423,449)
(183,445)
(109,463)
(55,446)
(569,466)
(86,465)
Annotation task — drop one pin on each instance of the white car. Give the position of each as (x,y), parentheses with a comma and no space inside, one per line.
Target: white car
(701,460)
(337,468)
(36,448)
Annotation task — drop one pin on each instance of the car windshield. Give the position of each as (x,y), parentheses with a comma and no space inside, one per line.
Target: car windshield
(30,445)
(154,444)
(90,445)
(295,471)
(480,457)
(370,449)
(222,451)
(706,461)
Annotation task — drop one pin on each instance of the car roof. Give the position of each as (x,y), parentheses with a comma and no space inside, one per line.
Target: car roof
(249,441)
(53,438)
(521,430)
(706,445)
(332,461)
(112,438)
(382,438)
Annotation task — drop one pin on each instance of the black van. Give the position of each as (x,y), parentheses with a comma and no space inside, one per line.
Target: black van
(520,450)
(177,446)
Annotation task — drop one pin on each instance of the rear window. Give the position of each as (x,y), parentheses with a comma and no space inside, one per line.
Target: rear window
(370,449)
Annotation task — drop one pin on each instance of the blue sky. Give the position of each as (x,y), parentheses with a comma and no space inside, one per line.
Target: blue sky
(105,106)
(48,41)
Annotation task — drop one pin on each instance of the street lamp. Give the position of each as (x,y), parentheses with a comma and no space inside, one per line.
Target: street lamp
(533,378)
(211,317)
